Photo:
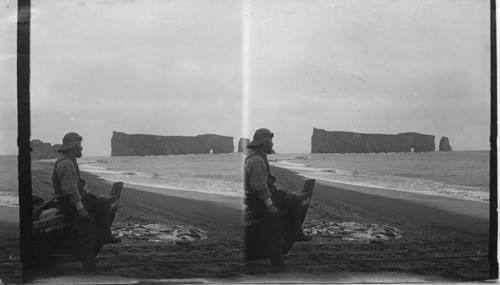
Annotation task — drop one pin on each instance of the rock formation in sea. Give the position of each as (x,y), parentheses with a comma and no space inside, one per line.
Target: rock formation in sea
(141,145)
(242,145)
(444,144)
(348,142)
(41,150)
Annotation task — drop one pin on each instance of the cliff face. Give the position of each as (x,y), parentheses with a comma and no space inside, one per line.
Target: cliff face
(242,145)
(444,144)
(41,150)
(347,142)
(141,145)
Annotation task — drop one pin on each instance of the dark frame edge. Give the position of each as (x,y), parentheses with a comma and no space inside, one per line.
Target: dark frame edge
(24,132)
(493,233)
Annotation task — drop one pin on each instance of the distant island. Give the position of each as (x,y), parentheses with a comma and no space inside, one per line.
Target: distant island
(143,144)
(323,141)
(444,144)
(242,145)
(41,150)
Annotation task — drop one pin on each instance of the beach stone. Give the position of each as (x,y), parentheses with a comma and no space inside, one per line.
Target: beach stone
(360,235)
(376,230)
(160,233)
(352,231)
(382,237)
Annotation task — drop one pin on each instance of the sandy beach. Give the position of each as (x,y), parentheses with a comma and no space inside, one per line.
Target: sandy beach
(444,211)
(441,239)
(10,265)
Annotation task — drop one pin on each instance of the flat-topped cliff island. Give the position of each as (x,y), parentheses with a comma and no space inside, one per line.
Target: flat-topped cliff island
(323,141)
(141,145)
(43,150)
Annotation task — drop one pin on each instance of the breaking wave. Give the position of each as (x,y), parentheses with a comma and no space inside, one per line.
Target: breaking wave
(374,179)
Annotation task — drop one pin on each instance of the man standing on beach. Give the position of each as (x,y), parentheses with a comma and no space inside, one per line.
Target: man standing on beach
(88,212)
(276,209)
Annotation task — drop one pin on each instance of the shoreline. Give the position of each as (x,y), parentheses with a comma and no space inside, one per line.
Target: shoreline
(446,211)
(464,214)
(220,256)
(469,209)
(231,201)
(470,214)
(196,206)
(463,207)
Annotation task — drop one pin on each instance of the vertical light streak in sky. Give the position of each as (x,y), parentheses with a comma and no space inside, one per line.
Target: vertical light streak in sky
(246,65)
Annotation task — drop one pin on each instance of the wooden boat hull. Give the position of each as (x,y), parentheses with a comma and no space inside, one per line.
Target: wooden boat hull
(256,243)
(55,238)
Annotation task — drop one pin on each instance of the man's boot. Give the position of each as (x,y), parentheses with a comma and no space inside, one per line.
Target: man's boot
(88,264)
(105,237)
(277,260)
(275,245)
(277,268)
(111,240)
(300,236)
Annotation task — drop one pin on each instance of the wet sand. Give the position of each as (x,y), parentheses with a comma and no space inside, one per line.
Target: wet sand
(444,211)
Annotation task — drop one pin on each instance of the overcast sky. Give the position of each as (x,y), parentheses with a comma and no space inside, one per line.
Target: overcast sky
(183,67)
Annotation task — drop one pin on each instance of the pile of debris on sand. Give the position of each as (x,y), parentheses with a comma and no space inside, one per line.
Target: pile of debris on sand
(352,231)
(160,233)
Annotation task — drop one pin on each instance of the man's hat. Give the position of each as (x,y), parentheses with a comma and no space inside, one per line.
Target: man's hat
(260,137)
(69,141)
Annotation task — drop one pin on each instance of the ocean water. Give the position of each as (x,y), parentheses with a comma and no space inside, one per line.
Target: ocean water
(8,176)
(209,173)
(457,174)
